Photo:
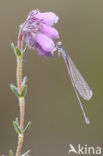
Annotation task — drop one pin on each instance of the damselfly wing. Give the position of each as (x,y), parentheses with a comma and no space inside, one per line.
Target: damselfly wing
(81,87)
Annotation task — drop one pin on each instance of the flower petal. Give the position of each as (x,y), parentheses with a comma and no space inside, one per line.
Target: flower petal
(45,42)
(49,31)
(29,39)
(48,18)
(41,52)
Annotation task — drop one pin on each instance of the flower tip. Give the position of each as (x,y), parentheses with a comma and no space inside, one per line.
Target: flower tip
(56,19)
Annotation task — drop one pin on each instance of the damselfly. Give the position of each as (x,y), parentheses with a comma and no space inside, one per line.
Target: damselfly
(79,84)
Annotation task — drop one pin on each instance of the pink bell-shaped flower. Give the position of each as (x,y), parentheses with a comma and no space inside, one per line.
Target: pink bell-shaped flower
(38,32)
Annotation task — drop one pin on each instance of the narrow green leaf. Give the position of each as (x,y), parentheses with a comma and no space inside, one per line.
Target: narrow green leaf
(25,50)
(13,47)
(27,127)
(11,153)
(24,89)
(18,53)
(26,153)
(24,81)
(16,127)
(15,90)
(17,121)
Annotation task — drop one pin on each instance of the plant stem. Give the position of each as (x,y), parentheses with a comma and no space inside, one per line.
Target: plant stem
(21,101)
(19,73)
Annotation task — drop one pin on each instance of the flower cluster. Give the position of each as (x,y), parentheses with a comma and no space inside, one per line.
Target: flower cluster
(38,32)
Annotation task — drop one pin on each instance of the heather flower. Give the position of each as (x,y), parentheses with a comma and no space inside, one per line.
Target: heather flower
(38,32)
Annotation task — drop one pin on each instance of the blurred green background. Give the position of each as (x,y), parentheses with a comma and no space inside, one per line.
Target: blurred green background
(51,104)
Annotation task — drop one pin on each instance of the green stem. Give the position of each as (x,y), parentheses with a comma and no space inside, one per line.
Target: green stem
(21,104)
(21,99)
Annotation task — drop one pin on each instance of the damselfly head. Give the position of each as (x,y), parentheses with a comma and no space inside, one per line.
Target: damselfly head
(61,50)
